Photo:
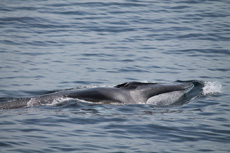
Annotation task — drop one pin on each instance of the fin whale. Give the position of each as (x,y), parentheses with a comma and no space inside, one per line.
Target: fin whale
(159,94)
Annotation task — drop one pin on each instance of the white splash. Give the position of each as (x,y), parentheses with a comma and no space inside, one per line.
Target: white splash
(212,88)
(58,101)
(32,102)
(51,102)
(84,101)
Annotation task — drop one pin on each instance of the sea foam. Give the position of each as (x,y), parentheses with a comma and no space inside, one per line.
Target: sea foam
(211,88)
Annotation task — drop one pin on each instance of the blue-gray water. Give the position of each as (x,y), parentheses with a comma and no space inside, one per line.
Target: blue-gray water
(53,45)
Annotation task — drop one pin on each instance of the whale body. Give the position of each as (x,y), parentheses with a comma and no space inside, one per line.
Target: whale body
(158,94)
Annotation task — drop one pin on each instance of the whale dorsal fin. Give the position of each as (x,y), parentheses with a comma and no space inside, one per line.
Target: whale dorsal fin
(131,85)
(122,85)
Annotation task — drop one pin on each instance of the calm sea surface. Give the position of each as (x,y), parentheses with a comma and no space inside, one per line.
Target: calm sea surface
(55,45)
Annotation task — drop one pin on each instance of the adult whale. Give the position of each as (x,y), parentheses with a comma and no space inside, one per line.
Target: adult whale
(159,94)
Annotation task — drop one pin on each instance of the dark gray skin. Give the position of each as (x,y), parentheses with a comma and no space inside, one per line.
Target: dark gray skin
(126,93)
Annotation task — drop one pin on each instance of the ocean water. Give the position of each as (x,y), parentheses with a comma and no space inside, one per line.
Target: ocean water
(55,45)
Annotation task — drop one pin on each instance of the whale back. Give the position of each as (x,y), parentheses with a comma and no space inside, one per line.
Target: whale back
(141,92)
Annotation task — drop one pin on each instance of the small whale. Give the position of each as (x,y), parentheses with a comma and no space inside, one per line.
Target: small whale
(159,94)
